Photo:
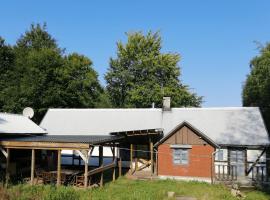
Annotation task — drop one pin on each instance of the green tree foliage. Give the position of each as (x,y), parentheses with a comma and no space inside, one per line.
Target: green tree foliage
(141,74)
(256,90)
(41,76)
(6,66)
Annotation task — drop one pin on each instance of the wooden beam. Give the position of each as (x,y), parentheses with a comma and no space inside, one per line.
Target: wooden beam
(3,152)
(7,166)
(229,161)
(257,160)
(100,157)
(113,152)
(32,166)
(58,168)
(101,169)
(120,166)
(268,164)
(101,165)
(152,155)
(85,174)
(136,157)
(43,145)
(131,158)
(246,162)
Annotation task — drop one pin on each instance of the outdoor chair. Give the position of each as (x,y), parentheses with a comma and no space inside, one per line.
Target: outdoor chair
(63,177)
(79,181)
(38,174)
(48,177)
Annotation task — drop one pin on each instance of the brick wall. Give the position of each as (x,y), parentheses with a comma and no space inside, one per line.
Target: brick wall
(199,161)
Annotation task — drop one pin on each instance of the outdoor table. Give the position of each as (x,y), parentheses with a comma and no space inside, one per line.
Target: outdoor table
(66,174)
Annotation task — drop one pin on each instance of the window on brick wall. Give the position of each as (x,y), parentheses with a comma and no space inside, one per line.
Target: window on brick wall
(180,156)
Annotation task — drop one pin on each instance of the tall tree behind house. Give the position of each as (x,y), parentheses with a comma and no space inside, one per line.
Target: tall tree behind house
(256,89)
(40,75)
(141,74)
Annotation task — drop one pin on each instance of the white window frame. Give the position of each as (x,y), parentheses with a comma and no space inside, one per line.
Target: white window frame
(178,156)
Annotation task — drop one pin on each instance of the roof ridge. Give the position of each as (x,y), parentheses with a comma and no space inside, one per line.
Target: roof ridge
(109,109)
(153,109)
(216,108)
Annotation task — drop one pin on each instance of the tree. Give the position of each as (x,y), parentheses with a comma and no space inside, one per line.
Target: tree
(43,77)
(6,66)
(80,83)
(256,90)
(141,74)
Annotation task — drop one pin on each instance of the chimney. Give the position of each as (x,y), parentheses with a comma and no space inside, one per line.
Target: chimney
(166,103)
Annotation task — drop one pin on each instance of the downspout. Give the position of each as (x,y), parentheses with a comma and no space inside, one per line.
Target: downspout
(213,164)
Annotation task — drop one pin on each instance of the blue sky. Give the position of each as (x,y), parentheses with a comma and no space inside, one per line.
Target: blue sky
(214,38)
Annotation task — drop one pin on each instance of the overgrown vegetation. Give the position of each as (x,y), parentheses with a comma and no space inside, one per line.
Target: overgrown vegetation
(124,189)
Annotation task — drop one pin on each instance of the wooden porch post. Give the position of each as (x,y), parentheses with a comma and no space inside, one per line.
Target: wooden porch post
(119,162)
(113,151)
(229,161)
(58,168)
(120,166)
(151,155)
(136,157)
(268,164)
(131,158)
(101,164)
(7,166)
(86,173)
(246,162)
(32,166)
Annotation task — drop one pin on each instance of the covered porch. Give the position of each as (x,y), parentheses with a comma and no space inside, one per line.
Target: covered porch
(35,148)
(245,164)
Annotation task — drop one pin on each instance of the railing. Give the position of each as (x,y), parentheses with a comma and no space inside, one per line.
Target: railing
(225,172)
(259,174)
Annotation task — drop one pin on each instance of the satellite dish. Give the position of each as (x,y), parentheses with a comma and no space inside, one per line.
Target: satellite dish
(28,112)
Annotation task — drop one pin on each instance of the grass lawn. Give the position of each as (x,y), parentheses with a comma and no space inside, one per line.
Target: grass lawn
(125,189)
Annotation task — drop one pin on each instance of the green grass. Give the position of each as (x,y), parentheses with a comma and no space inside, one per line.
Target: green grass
(124,189)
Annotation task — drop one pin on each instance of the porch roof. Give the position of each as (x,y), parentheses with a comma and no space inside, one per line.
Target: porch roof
(58,141)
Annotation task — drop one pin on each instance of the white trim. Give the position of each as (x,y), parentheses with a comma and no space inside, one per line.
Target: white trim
(180,146)
(84,156)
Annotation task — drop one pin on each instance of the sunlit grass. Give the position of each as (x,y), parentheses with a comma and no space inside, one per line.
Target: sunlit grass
(124,189)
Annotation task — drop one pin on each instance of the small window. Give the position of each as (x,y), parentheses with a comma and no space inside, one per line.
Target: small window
(220,155)
(180,156)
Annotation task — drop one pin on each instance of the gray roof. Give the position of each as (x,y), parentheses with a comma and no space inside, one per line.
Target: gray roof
(99,121)
(18,124)
(87,139)
(225,126)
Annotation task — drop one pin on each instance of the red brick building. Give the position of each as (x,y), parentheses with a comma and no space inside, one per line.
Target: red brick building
(185,152)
